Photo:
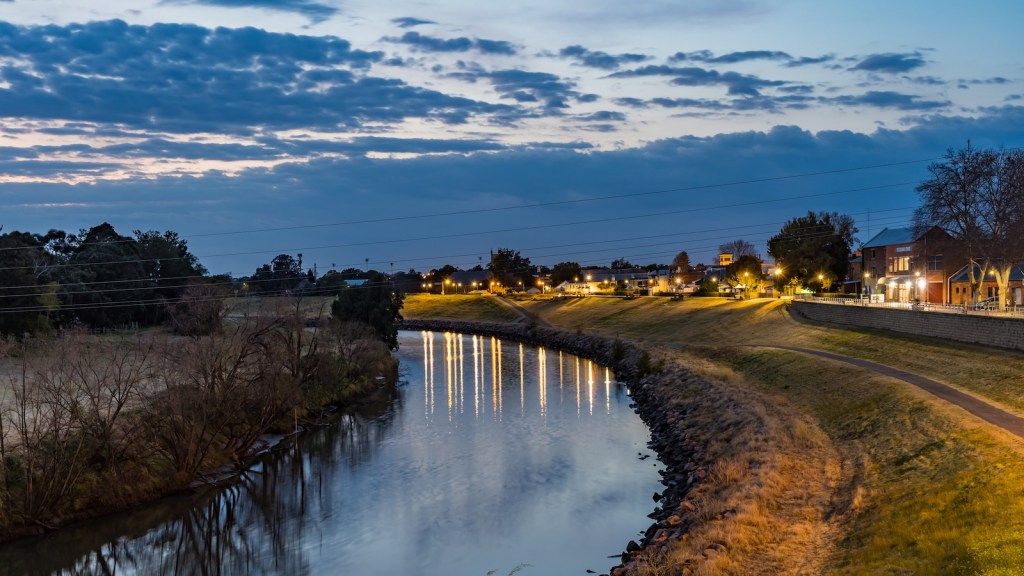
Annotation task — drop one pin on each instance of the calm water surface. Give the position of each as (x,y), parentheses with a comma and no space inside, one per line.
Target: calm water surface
(495,456)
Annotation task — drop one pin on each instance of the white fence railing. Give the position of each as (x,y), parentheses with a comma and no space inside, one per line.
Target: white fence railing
(1010,312)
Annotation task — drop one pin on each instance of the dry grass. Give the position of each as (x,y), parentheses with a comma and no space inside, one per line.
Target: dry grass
(457,307)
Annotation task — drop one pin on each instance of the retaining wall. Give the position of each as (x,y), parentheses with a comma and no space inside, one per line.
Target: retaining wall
(975,329)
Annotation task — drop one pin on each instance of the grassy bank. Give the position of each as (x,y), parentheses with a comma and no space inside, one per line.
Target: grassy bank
(826,468)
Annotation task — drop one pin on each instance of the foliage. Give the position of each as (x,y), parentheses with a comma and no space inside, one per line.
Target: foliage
(813,249)
(681,263)
(281,276)
(377,303)
(27,288)
(744,271)
(621,264)
(200,311)
(566,272)
(511,268)
(977,196)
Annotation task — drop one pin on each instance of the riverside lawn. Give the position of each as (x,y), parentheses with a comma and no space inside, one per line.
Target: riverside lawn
(848,471)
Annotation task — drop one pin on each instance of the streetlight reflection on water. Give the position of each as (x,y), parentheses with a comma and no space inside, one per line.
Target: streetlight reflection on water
(476,383)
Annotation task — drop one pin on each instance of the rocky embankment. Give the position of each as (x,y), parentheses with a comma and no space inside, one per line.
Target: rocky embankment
(654,391)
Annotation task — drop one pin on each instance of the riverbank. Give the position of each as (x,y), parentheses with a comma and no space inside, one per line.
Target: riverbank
(815,466)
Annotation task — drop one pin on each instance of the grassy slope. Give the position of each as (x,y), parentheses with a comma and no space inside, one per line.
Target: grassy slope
(891,480)
(457,307)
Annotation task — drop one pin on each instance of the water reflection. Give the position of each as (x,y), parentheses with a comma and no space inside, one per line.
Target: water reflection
(533,366)
(463,487)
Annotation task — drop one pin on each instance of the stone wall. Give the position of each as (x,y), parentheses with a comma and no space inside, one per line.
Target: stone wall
(972,328)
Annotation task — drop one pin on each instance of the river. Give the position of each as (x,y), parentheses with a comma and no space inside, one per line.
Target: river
(495,458)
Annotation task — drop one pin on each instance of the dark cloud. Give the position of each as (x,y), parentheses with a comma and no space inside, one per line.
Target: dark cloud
(891,63)
(408,22)
(598,59)
(550,91)
(807,61)
(186,78)
(315,11)
(736,83)
(462,44)
(888,99)
(603,116)
(706,56)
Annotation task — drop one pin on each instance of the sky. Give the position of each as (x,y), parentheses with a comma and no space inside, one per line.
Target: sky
(411,134)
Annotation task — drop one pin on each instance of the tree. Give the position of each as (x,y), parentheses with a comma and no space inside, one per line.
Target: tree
(681,263)
(565,272)
(104,283)
(977,196)
(738,248)
(511,268)
(27,286)
(621,264)
(813,248)
(280,276)
(744,272)
(377,303)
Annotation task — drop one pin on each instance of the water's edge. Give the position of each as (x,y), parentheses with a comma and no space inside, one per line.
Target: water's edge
(669,439)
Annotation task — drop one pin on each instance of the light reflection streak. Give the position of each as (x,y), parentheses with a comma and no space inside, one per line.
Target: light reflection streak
(477,369)
(449,364)
(522,383)
(607,391)
(462,377)
(590,385)
(542,379)
(577,386)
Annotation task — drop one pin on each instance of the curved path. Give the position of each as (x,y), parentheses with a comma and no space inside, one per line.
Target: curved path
(1010,422)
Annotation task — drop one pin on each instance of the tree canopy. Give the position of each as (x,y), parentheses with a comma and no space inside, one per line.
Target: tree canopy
(565,272)
(813,250)
(377,303)
(510,268)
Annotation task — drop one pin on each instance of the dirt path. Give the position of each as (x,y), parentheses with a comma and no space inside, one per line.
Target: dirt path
(1010,422)
(523,312)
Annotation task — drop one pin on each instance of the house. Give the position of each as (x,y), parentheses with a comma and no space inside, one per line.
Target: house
(902,266)
(960,286)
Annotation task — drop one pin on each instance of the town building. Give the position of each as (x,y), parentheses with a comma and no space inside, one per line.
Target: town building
(905,267)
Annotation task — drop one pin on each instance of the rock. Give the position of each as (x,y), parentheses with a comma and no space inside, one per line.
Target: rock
(632,546)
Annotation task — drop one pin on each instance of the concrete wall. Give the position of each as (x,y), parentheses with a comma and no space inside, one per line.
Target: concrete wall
(977,329)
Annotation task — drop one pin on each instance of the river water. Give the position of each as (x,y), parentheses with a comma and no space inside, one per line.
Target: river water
(496,457)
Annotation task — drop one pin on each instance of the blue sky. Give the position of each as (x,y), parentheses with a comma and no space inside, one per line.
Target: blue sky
(415,134)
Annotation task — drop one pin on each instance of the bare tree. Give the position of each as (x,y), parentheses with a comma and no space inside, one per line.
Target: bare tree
(977,196)
(738,248)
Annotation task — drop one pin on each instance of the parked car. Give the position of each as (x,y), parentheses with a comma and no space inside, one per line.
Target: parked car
(990,303)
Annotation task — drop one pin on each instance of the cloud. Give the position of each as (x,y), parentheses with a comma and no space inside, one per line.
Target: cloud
(603,116)
(182,78)
(709,57)
(736,83)
(315,11)
(525,87)
(888,99)
(598,59)
(462,44)
(891,63)
(409,22)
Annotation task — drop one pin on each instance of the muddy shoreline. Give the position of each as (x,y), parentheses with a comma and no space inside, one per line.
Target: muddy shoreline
(685,469)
